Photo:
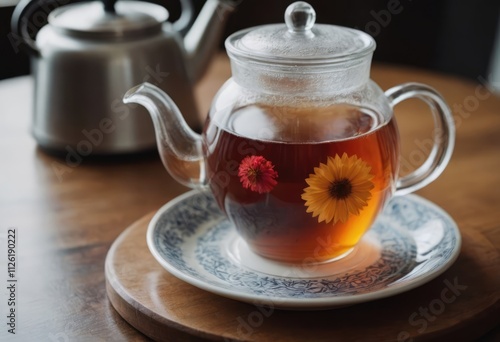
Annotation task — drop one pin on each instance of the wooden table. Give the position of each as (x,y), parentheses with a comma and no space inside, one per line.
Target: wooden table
(65,227)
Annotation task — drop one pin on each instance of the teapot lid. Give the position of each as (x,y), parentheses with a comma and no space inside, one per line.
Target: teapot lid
(299,41)
(99,20)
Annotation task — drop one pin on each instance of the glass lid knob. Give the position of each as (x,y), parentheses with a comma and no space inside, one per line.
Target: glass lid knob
(300,17)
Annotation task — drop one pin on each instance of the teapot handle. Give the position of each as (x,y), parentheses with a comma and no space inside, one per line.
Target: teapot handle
(443,135)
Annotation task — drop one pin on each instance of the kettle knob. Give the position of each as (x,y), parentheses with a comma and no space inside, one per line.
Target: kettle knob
(109,6)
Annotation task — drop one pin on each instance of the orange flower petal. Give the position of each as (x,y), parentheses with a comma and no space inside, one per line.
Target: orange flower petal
(318,196)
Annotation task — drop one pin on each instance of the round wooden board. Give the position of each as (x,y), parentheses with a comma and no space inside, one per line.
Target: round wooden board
(462,303)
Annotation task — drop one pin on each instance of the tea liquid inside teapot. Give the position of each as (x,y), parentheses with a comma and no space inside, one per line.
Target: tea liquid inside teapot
(301,125)
(293,143)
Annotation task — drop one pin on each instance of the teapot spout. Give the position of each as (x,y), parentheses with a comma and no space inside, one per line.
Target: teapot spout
(203,37)
(180,147)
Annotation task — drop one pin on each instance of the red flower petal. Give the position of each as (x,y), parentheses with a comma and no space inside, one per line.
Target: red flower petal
(257,174)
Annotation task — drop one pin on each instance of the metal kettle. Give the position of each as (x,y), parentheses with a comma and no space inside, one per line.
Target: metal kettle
(90,53)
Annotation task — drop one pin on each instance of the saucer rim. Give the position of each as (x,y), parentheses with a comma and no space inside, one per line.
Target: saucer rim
(305,303)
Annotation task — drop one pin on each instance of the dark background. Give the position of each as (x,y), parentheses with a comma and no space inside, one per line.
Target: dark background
(450,36)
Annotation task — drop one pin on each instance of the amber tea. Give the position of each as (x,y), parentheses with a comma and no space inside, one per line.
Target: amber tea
(302,184)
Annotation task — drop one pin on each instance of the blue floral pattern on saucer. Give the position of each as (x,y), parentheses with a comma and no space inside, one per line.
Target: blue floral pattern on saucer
(418,241)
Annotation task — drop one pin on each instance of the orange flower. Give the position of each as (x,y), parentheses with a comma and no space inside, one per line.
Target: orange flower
(257,174)
(339,188)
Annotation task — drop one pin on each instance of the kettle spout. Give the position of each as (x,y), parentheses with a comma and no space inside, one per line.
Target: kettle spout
(203,37)
(180,147)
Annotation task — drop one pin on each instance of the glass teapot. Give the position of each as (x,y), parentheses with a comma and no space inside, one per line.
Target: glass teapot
(300,148)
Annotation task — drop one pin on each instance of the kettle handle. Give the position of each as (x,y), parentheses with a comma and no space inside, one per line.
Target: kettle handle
(20,25)
(20,37)
(25,9)
(182,24)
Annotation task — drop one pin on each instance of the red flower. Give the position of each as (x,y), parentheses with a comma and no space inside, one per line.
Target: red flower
(257,174)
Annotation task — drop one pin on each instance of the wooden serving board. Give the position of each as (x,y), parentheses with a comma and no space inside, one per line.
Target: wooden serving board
(461,304)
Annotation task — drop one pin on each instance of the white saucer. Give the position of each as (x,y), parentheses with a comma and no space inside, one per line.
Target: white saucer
(412,242)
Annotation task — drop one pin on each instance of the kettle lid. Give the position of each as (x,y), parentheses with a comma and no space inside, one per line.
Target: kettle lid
(299,41)
(97,20)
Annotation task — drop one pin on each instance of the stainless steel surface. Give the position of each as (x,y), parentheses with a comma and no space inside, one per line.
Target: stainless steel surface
(201,40)
(92,20)
(79,89)
(82,72)
(8,3)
